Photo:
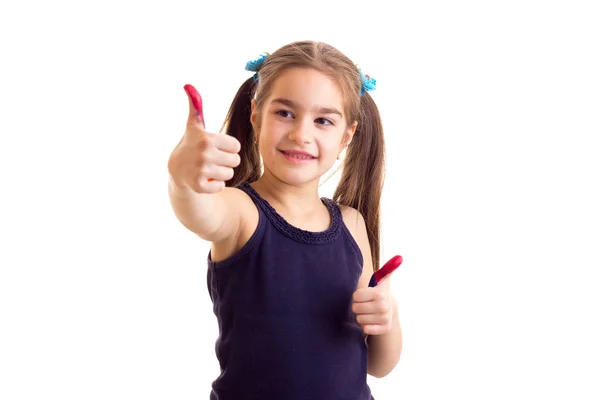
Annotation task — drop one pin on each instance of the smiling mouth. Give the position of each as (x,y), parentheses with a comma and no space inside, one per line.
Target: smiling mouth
(297,156)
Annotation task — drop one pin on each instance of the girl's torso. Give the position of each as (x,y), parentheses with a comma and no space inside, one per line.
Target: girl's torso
(282,296)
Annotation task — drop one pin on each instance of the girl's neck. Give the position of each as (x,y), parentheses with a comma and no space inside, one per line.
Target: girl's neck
(293,200)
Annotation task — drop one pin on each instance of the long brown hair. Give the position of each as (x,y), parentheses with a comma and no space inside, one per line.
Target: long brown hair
(361,183)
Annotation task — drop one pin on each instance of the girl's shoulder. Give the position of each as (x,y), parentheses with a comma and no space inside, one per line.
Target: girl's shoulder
(355,223)
(352,218)
(248,222)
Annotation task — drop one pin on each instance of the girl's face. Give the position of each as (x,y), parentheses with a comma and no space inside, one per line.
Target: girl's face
(301,128)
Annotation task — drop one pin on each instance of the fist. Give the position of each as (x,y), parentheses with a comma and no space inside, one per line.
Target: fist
(374,308)
(202,161)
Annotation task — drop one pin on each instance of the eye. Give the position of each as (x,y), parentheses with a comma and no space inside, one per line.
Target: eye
(284,113)
(324,121)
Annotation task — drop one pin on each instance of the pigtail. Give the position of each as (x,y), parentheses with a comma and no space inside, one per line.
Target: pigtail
(361,183)
(237,124)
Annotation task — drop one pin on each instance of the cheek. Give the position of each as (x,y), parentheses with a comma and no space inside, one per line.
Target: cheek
(331,145)
(268,145)
(273,132)
(274,127)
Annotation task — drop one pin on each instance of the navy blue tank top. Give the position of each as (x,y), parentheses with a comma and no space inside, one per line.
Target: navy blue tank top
(283,303)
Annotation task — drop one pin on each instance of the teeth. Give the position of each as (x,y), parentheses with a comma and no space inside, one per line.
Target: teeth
(298,156)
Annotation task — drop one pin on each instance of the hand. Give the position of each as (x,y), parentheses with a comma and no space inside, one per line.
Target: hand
(203,161)
(375,308)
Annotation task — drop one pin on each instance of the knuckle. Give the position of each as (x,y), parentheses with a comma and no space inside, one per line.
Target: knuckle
(199,186)
(205,142)
(383,307)
(202,171)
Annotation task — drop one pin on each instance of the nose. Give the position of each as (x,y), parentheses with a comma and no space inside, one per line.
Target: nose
(301,131)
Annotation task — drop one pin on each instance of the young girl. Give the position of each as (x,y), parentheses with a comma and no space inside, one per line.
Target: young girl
(288,271)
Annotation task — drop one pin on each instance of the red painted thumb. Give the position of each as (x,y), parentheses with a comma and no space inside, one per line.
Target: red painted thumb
(195,100)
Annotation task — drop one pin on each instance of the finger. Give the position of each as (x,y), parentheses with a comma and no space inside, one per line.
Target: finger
(375,329)
(362,308)
(371,319)
(227,143)
(226,159)
(371,307)
(219,173)
(196,114)
(389,267)
(365,294)
(379,306)
(385,282)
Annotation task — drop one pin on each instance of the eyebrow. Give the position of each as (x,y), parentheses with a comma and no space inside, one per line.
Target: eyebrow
(322,110)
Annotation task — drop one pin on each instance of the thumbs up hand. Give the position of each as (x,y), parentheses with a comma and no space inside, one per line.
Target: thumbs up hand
(375,308)
(202,161)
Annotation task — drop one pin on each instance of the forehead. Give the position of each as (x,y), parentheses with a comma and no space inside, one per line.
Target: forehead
(308,88)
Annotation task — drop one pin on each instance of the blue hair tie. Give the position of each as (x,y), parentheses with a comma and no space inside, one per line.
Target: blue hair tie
(254,65)
(368,83)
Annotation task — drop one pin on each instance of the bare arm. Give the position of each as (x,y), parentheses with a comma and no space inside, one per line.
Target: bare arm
(212,216)
(199,166)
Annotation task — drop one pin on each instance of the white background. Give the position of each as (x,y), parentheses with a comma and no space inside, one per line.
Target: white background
(492,115)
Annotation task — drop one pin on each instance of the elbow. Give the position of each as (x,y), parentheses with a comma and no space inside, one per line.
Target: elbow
(383,369)
(381,372)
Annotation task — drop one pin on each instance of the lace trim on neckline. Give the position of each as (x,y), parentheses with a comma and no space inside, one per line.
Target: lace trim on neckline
(292,231)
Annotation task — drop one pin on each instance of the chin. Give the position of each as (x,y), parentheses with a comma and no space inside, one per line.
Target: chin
(297,175)
(296,178)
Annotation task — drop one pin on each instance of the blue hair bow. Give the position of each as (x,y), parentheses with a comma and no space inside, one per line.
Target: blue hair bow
(254,65)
